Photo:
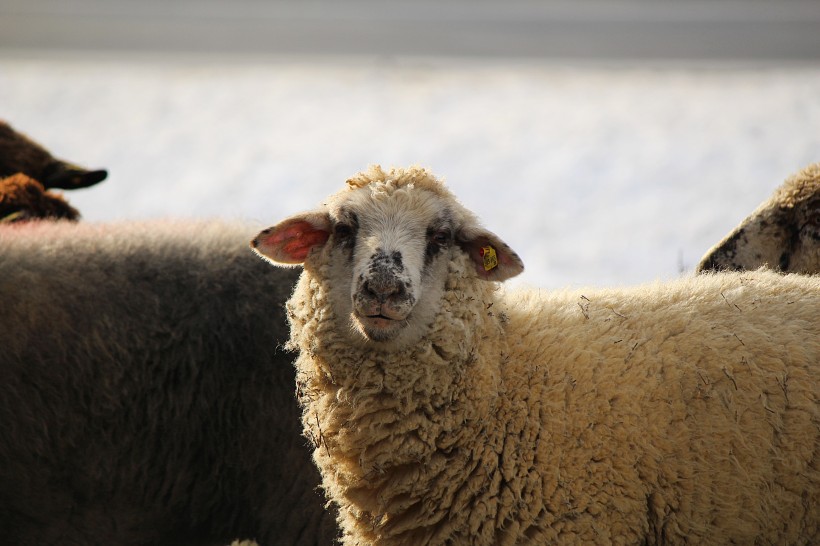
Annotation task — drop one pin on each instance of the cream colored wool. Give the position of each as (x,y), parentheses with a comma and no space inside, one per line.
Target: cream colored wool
(676,413)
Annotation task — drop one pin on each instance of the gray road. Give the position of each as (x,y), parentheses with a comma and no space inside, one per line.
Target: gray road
(599,29)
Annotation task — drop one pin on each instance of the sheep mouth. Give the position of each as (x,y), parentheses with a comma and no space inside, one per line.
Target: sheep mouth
(379,327)
(381,313)
(383,320)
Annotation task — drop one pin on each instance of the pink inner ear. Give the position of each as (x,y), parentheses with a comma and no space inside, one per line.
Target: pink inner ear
(504,259)
(302,240)
(292,243)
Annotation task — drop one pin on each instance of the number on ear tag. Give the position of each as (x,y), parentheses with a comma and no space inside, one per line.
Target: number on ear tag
(490,258)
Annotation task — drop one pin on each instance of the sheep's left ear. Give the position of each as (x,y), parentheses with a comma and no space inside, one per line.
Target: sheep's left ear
(290,241)
(494,260)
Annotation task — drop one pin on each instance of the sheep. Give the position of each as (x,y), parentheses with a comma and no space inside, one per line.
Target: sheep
(444,409)
(144,394)
(23,198)
(27,171)
(20,154)
(783,233)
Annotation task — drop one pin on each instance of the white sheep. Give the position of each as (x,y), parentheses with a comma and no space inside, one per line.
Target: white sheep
(783,233)
(444,410)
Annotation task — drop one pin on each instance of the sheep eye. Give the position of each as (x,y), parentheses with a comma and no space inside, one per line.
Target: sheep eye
(342,232)
(440,237)
(345,234)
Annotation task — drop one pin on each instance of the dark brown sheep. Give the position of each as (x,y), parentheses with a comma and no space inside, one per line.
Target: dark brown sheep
(23,198)
(20,154)
(28,171)
(144,395)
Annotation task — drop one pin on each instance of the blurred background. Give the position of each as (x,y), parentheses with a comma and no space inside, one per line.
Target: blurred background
(608,142)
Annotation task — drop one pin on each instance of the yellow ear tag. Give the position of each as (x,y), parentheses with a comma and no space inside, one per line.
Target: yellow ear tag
(490,258)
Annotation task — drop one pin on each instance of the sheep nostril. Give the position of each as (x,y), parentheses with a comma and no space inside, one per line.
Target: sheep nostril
(369,292)
(383,290)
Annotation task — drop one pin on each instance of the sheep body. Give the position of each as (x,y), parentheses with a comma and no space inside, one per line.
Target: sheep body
(145,398)
(783,233)
(673,413)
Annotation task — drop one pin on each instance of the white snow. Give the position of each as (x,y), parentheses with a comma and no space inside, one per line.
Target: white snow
(595,173)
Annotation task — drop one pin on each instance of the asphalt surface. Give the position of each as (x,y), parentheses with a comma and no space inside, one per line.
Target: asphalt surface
(597,29)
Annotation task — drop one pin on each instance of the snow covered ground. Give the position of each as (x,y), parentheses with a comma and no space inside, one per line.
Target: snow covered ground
(596,173)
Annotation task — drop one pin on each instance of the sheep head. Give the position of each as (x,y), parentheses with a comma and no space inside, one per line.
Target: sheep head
(386,242)
(20,154)
(783,233)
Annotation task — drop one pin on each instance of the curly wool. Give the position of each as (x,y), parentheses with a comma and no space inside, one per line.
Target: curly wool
(415,175)
(666,414)
(359,404)
(799,188)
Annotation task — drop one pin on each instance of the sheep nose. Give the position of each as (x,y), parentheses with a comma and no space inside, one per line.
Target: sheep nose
(383,289)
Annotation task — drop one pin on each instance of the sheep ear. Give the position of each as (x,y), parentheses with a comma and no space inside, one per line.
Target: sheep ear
(290,241)
(494,260)
(66,176)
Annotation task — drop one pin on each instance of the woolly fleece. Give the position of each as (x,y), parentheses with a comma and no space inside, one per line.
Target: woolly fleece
(23,198)
(677,413)
(144,394)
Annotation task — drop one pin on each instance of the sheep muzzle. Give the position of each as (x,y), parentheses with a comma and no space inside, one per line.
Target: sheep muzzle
(383,297)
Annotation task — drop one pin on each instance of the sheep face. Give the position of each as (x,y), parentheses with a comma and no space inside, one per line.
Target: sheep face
(386,247)
(783,239)
(782,234)
(395,250)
